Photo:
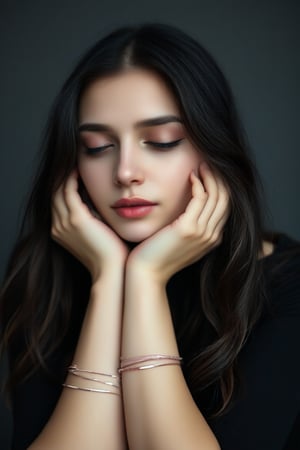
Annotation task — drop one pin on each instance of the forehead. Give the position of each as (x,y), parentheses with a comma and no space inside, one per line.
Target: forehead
(134,94)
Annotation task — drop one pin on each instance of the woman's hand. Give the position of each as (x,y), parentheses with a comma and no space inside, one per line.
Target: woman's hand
(195,233)
(74,227)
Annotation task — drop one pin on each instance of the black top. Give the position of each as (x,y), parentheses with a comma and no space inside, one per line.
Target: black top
(265,416)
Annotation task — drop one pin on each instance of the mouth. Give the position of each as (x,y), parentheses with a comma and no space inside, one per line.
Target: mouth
(133,208)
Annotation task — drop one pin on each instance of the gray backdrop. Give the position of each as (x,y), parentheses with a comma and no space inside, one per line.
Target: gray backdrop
(255,42)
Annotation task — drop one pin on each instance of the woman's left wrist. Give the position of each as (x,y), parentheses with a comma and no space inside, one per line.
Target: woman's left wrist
(144,276)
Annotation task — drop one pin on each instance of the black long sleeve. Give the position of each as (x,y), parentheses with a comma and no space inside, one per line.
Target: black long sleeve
(264,417)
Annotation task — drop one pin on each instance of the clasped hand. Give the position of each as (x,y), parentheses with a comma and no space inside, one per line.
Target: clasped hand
(191,236)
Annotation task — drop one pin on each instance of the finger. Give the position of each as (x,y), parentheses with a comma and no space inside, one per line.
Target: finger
(222,210)
(198,200)
(216,236)
(72,197)
(211,188)
(59,208)
(58,200)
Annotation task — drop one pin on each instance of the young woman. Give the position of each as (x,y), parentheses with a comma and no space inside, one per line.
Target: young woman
(144,307)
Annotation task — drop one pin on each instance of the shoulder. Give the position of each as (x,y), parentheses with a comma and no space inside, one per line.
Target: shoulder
(282,275)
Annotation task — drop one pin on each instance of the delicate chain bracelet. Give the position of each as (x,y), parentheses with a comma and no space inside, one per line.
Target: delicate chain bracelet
(103,391)
(143,362)
(76,371)
(148,362)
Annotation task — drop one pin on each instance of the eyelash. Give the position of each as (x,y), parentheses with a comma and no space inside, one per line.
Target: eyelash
(160,145)
(94,150)
(164,144)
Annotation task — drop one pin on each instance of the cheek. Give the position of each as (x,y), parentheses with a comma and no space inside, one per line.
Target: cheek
(93,179)
(177,181)
(177,193)
(177,177)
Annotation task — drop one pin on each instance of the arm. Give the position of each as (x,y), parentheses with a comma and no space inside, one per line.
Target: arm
(84,419)
(159,410)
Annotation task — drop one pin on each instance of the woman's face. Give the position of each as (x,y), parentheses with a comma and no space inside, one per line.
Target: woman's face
(135,157)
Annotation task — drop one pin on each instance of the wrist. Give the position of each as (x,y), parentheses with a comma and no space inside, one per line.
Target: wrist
(139,269)
(110,275)
(100,269)
(144,278)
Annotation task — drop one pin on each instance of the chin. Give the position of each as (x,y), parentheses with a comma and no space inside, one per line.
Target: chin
(135,236)
(128,237)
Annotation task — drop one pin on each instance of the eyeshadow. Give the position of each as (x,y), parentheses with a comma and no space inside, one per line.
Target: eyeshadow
(165,133)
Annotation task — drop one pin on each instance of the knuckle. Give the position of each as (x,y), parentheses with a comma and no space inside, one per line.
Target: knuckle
(201,230)
(54,232)
(74,220)
(188,231)
(209,236)
(215,238)
(202,235)
(64,225)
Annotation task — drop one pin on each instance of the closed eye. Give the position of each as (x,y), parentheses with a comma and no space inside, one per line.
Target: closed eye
(163,144)
(95,150)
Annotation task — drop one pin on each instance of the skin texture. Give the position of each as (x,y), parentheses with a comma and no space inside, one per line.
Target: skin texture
(128,312)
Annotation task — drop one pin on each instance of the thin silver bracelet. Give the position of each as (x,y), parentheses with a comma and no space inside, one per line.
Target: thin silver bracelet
(102,391)
(74,370)
(148,366)
(74,367)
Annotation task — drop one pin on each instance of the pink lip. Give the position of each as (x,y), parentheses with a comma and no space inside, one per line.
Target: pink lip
(133,208)
(134,201)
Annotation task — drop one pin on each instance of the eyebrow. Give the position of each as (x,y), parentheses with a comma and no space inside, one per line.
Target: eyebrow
(155,121)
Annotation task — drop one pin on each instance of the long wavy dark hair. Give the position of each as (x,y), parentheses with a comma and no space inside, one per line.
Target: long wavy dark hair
(214,302)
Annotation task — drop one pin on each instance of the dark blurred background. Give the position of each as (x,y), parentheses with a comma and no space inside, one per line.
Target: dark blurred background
(256,43)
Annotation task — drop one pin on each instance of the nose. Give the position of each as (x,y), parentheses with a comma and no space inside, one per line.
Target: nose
(129,166)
